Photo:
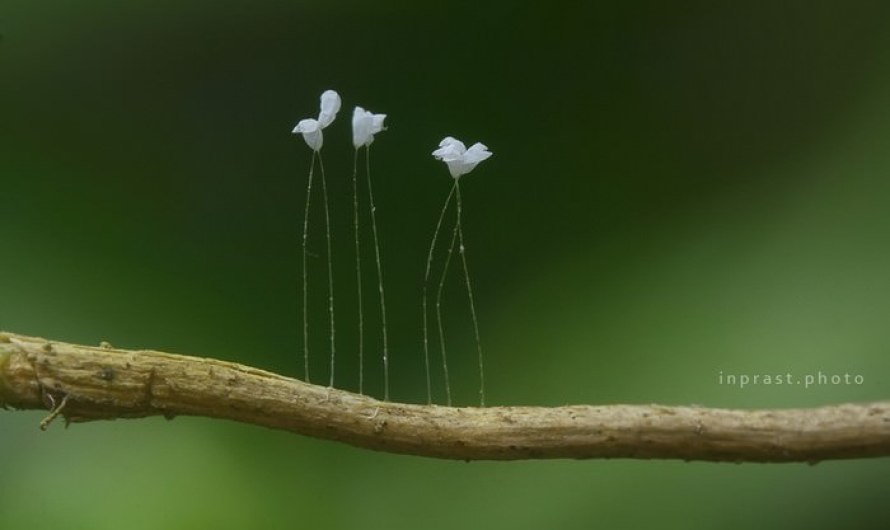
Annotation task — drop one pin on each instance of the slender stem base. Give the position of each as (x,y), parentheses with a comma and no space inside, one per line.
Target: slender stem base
(305,290)
(463,258)
(358,277)
(380,290)
(425,297)
(327,227)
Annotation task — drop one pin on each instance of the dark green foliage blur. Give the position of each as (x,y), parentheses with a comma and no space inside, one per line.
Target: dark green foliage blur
(680,192)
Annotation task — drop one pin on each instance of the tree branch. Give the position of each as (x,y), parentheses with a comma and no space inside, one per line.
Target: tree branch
(84,383)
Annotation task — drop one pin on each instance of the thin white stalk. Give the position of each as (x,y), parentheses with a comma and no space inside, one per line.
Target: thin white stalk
(439,324)
(306,273)
(426,280)
(327,220)
(379,275)
(358,277)
(463,257)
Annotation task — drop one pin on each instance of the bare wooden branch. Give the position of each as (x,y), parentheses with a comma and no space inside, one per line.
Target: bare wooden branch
(83,383)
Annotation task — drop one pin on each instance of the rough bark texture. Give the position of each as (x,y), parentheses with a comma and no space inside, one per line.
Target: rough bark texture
(84,383)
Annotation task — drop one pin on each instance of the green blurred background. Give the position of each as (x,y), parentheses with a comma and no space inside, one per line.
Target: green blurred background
(679,190)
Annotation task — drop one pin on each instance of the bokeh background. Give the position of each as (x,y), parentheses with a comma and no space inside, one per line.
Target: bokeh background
(679,190)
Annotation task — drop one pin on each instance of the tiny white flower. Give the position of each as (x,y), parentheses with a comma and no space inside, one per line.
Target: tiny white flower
(364,126)
(330,106)
(311,131)
(311,128)
(459,159)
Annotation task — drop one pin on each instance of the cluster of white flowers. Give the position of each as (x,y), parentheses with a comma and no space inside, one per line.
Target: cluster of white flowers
(459,161)
(366,124)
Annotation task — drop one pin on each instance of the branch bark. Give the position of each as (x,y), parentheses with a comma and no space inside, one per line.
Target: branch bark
(85,383)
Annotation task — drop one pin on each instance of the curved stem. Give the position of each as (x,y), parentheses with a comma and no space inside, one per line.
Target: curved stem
(463,258)
(426,280)
(439,325)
